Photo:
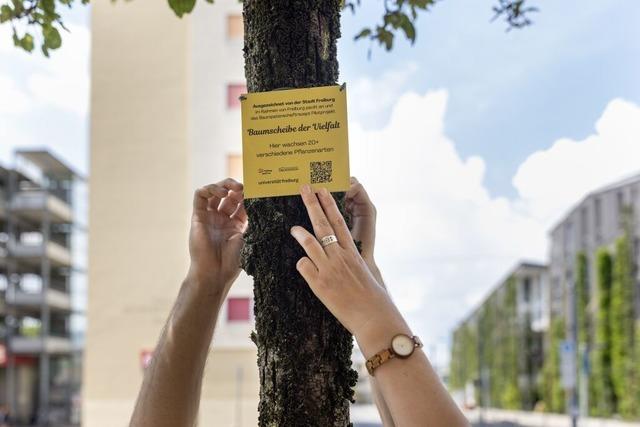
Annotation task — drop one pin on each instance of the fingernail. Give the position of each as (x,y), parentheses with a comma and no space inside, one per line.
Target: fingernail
(306,189)
(324,191)
(294,231)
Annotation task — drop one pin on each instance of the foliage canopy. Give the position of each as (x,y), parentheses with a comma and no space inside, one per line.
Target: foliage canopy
(39,22)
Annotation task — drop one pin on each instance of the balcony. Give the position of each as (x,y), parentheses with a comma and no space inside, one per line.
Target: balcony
(3,206)
(33,301)
(3,256)
(31,254)
(38,345)
(34,204)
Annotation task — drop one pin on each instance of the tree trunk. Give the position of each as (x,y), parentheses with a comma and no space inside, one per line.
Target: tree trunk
(304,354)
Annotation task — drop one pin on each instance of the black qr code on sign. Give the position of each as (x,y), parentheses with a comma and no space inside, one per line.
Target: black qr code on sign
(321,172)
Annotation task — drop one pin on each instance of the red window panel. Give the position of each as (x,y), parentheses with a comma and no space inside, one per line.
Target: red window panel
(234,91)
(238,309)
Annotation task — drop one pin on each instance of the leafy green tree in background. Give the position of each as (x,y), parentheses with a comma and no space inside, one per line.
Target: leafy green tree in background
(552,391)
(303,353)
(582,298)
(510,397)
(583,317)
(602,399)
(622,325)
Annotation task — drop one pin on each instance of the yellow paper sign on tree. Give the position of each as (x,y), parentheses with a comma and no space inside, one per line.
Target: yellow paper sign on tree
(294,137)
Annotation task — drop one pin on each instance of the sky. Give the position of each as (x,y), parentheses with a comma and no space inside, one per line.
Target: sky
(471,142)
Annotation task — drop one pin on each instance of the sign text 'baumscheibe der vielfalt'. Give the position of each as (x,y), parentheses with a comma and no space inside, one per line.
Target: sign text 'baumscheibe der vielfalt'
(294,137)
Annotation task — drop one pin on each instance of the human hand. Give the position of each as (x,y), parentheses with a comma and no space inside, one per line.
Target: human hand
(340,277)
(215,239)
(363,217)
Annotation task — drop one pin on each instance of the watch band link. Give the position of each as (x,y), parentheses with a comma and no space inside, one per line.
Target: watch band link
(378,359)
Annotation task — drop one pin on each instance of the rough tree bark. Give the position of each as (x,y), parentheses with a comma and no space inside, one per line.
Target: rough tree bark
(304,354)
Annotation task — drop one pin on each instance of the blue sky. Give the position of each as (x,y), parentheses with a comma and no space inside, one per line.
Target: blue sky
(511,93)
(471,142)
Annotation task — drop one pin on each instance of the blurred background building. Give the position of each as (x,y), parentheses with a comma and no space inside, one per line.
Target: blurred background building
(506,354)
(164,121)
(41,349)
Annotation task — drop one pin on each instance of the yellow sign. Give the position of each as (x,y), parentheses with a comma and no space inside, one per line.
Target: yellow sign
(294,137)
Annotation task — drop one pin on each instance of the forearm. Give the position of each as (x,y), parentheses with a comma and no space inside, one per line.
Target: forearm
(170,392)
(410,388)
(378,398)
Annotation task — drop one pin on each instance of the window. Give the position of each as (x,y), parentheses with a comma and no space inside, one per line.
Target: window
(234,166)
(234,91)
(235,27)
(238,309)
(526,289)
(597,217)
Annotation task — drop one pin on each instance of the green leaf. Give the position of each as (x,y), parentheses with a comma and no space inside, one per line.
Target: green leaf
(408,28)
(52,39)
(49,6)
(386,38)
(5,13)
(364,33)
(26,42)
(180,7)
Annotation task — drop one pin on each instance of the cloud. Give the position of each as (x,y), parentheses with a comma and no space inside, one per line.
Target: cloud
(384,89)
(443,240)
(18,101)
(44,101)
(61,81)
(570,169)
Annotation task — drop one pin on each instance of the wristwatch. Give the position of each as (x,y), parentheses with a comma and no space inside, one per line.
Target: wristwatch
(402,346)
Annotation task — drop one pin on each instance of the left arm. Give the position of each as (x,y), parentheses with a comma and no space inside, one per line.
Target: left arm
(170,393)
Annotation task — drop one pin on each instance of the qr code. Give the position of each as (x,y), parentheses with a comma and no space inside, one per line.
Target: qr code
(321,172)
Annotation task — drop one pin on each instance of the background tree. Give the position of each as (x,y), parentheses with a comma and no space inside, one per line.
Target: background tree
(583,297)
(552,391)
(511,397)
(621,321)
(602,396)
(303,352)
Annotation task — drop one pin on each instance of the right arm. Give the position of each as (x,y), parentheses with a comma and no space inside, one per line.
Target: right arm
(339,276)
(363,229)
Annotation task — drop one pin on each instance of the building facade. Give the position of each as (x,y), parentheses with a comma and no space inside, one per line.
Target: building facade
(596,222)
(39,357)
(497,352)
(165,120)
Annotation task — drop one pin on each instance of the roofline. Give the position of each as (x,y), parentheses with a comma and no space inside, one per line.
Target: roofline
(520,264)
(622,182)
(56,156)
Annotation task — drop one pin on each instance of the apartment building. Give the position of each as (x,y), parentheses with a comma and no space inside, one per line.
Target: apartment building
(39,360)
(596,221)
(165,119)
(500,345)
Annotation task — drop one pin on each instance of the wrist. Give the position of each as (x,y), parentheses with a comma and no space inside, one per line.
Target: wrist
(373,268)
(206,285)
(376,334)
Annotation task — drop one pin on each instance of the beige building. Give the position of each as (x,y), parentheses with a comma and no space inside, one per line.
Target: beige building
(164,120)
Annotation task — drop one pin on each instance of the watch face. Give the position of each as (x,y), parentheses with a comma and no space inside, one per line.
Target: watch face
(402,345)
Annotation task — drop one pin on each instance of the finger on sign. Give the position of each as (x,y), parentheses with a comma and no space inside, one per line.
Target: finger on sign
(321,226)
(335,219)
